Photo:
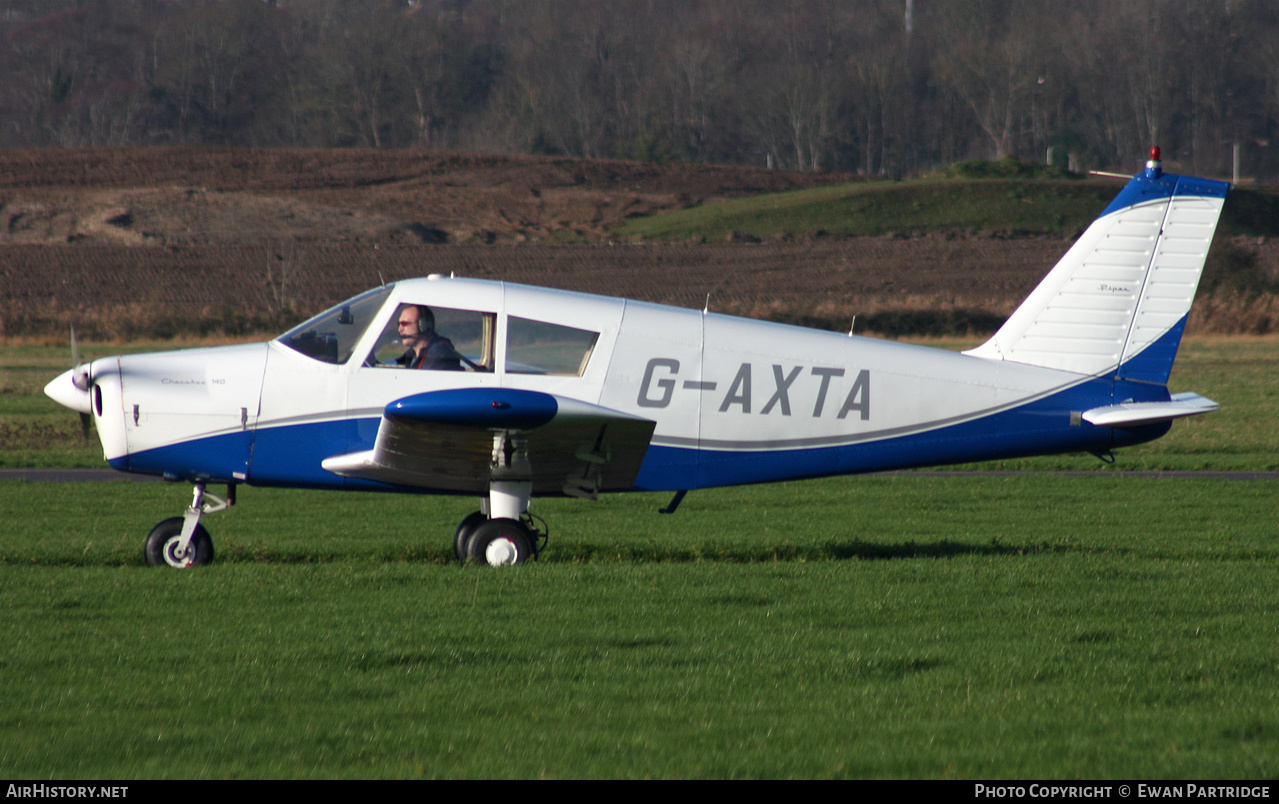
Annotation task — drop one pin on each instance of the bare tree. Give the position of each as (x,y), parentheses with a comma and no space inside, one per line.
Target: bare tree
(992,66)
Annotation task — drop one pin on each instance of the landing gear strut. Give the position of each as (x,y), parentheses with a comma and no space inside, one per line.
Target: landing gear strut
(503,532)
(181,541)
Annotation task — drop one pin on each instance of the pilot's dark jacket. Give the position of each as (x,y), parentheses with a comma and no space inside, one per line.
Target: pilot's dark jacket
(438,354)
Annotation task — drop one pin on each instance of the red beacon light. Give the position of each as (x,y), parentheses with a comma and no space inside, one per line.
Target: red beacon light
(1154,166)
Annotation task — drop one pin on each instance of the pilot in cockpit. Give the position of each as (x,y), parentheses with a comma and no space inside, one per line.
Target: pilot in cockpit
(426,349)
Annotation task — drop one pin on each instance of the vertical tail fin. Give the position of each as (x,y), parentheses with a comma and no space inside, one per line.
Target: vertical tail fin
(1116,303)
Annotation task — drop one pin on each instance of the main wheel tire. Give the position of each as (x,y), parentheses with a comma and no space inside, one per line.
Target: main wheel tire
(462,537)
(500,543)
(161,549)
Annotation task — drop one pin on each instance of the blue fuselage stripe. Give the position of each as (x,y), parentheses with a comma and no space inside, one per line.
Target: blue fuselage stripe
(1036,428)
(290,455)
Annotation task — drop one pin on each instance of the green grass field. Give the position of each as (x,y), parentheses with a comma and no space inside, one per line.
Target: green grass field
(908,626)
(914,625)
(1031,205)
(876,208)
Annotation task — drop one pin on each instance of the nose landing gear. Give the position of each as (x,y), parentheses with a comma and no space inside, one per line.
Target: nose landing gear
(181,541)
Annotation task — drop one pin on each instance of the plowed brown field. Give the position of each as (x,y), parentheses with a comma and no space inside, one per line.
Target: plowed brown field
(142,242)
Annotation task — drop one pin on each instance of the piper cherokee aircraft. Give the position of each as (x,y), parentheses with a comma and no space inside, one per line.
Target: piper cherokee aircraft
(508,392)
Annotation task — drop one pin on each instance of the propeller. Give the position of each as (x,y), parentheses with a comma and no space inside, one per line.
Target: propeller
(74,394)
(80,379)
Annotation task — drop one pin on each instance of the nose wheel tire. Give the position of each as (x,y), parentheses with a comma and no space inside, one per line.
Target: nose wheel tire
(500,543)
(161,548)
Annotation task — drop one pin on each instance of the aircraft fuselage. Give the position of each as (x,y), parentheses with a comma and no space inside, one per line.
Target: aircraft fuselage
(734,400)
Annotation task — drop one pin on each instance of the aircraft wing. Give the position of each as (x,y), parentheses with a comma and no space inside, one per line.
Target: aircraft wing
(1131,414)
(461,439)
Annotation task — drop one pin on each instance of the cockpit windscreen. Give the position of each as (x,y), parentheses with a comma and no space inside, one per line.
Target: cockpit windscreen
(332,335)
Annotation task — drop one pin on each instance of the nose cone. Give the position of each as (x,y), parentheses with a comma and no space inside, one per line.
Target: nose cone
(63,390)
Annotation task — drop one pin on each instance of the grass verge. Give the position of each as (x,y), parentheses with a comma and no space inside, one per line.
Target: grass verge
(907,626)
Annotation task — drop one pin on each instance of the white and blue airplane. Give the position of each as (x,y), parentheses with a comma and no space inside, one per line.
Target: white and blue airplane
(514,392)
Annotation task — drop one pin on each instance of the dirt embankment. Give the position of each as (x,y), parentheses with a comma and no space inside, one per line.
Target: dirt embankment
(137,242)
(186,196)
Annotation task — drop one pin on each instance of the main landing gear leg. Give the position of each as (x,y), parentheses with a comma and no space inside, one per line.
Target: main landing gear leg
(504,532)
(181,541)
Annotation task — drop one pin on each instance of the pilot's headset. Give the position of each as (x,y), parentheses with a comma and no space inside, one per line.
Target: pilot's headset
(425,320)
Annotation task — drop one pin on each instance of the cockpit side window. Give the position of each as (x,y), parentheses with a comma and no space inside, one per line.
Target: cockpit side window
(422,336)
(331,336)
(536,347)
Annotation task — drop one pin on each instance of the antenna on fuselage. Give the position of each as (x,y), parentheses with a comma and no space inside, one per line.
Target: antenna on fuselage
(381,278)
(853,323)
(722,280)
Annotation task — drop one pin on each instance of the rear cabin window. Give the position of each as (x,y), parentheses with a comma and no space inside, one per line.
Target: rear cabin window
(535,347)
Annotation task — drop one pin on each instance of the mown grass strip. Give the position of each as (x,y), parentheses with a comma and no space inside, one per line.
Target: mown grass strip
(907,627)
